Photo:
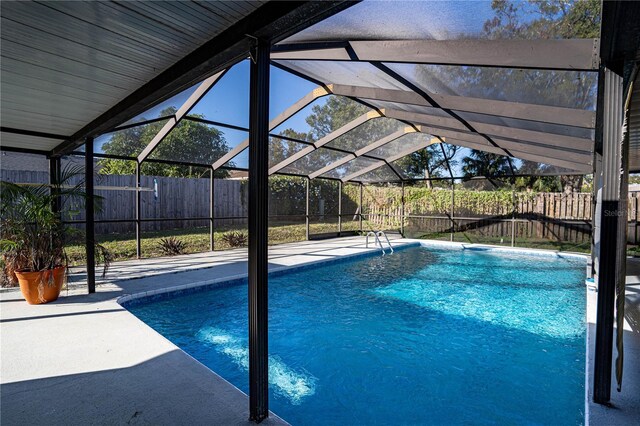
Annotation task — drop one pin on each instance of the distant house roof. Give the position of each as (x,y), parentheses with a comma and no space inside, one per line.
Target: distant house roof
(23,162)
(238,174)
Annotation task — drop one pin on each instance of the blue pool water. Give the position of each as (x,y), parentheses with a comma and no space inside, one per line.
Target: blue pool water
(423,336)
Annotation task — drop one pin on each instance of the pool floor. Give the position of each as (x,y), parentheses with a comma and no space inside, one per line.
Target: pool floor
(424,336)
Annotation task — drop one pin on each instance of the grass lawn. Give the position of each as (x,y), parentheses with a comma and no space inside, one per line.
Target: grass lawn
(123,246)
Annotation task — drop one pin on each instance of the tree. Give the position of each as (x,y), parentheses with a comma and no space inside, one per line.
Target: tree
(552,19)
(333,114)
(325,119)
(282,148)
(546,19)
(537,183)
(428,163)
(481,163)
(189,141)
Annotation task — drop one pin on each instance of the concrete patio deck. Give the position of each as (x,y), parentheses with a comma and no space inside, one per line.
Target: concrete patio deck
(625,405)
(86,360)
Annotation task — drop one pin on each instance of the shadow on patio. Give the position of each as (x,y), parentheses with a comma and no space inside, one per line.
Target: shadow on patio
(167,389)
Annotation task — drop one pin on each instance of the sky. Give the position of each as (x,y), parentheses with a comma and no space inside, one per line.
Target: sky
(228,102)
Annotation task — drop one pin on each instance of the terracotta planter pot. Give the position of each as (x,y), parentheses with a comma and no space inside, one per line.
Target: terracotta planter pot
(37,287)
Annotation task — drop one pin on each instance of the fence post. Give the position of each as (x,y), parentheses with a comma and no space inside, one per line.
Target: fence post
(138,208)
(211,212)
(306,214)
(544,215)
(339,208)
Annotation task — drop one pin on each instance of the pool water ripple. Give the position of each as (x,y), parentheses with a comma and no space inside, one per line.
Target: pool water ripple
(424,336)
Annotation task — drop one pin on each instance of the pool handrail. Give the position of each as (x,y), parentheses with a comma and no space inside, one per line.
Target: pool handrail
(377,235)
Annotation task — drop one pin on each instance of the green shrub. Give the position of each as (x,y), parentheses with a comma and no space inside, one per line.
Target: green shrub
(235,239)
(172,246)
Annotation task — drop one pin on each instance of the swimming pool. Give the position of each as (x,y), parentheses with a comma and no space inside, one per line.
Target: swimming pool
(428,335)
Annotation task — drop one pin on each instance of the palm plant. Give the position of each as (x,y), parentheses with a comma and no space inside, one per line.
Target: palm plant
(33,234)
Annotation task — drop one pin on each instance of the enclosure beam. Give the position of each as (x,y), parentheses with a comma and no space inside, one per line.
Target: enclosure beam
(446,159)
(531,112)
(385,162)
(138,211)
(195,97)
(281,118)
(612,228)
(32,133)
(555,140)
(453,210)
(560,54)
(571,160)
(360,206)
(325,140)
(459,120)
(258,232)
(394,170)
(89,215)
(525,154)
(211,211)
(380,142)
(513,215)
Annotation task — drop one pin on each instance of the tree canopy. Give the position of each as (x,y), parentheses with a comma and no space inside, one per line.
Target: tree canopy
(189,142)
(547,19)
(335,113)
(513,19)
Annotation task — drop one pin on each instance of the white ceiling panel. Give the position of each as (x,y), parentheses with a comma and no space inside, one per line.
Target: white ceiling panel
(65,63)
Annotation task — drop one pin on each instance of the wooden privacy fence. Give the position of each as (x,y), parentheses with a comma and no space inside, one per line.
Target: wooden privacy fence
(555,216)
(176,199)
(561,216)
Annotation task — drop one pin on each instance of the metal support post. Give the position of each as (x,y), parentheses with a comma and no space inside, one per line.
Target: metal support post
(89,214)
(453,210)
(612,226)
(138,212)
(592,269)
(211,211)
(513,215)
(360,207)
(258,231)
(339,208)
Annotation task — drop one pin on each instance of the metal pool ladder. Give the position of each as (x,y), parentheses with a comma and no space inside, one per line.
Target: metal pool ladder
(378,242)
